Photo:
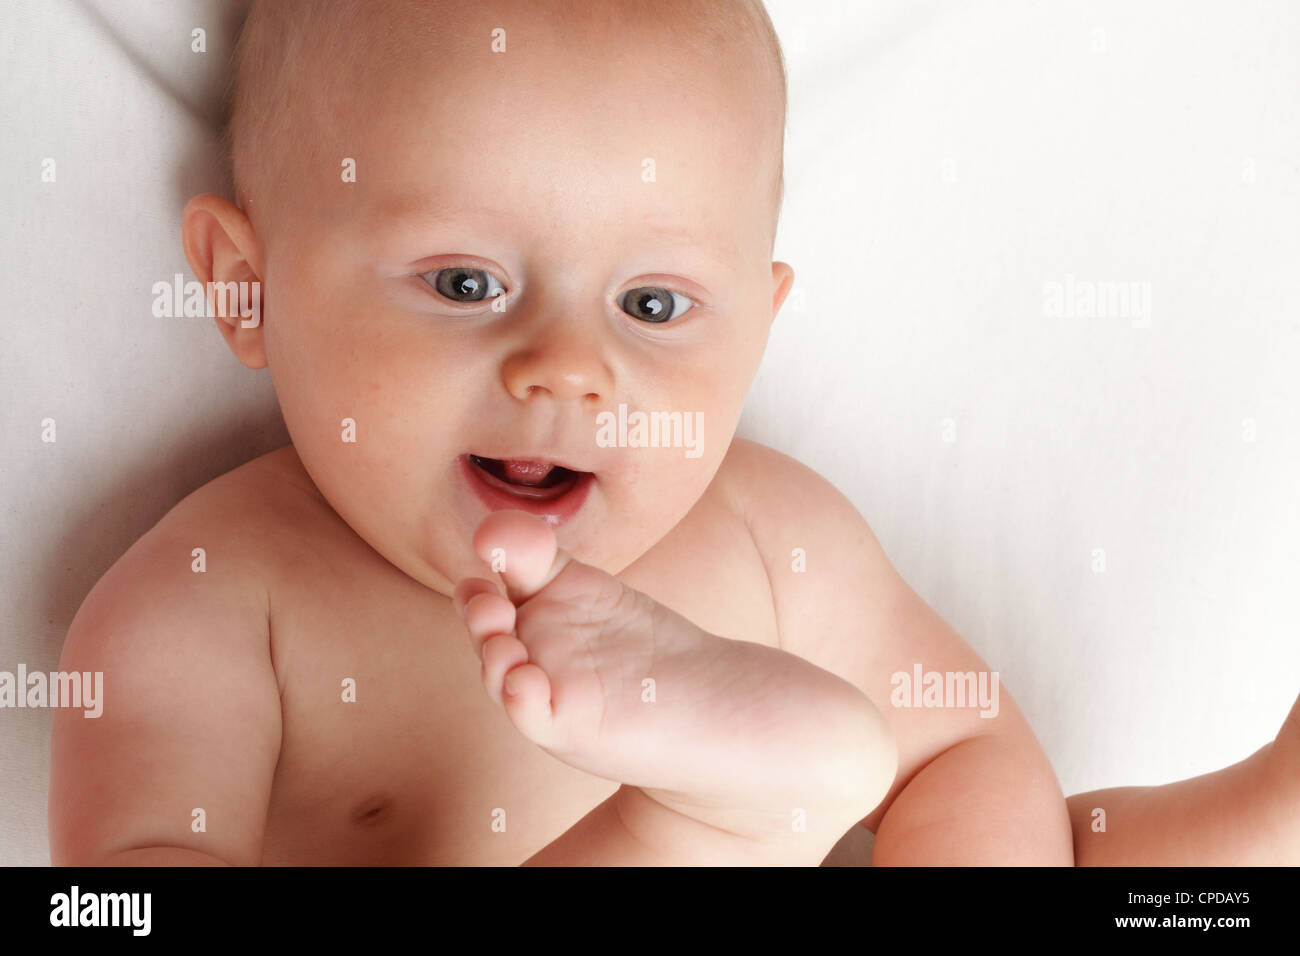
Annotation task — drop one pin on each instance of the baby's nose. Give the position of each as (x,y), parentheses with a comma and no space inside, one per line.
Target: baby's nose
(568,370)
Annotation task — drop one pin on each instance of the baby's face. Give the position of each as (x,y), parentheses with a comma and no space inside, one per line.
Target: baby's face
(490,283)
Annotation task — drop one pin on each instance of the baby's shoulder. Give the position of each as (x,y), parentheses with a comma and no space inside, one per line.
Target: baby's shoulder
(777,494)
(251,519)
(214,554)
(818,550)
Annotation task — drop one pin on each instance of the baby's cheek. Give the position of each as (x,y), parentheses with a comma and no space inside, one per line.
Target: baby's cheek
(341,426)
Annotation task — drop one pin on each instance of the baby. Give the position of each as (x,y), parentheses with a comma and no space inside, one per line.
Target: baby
(515,593)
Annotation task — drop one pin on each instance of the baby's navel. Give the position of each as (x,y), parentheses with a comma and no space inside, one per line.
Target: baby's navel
(373,811)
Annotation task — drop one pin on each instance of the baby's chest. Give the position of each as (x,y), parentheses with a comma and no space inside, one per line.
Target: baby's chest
(392,753)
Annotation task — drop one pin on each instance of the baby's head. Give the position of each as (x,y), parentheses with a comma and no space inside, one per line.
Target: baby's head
(477,226)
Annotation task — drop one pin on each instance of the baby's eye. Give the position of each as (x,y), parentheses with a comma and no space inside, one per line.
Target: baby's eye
(463,284)
(653,304)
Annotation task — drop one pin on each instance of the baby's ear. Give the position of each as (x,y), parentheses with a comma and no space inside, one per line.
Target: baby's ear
(782,280)
(226,257)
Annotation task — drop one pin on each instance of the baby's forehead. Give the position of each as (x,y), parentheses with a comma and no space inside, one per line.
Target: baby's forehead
(536,46)
(458,83)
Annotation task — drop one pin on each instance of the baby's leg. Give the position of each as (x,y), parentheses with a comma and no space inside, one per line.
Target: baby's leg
(1243,815)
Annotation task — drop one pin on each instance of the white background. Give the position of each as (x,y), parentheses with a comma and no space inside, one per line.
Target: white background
(944,161)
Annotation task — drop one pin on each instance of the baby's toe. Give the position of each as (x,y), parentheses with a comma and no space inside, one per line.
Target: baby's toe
(469,588)
(527,701)
(500,654)
(522,549)
(488,614)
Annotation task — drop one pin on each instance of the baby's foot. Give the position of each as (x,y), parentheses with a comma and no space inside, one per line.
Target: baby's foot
(734,734)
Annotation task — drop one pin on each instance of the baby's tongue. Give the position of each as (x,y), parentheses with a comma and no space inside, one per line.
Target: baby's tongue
(525,472)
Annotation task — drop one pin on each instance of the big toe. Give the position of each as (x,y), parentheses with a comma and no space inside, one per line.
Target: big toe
(522,548)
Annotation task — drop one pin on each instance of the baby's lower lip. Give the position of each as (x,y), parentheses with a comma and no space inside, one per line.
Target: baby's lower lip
(556,504)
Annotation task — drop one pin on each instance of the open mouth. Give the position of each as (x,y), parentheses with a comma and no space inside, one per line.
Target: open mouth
(540,480)
(545,488)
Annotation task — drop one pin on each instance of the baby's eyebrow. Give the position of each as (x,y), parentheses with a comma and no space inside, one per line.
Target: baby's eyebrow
(407,218)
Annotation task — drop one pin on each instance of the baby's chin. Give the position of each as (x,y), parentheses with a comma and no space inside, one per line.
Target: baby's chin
(440,569)
(610,541)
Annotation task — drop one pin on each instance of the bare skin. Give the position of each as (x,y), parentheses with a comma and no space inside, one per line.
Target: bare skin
(1242,815)
(724,732)
(309,778)
(413,772)
(410,773)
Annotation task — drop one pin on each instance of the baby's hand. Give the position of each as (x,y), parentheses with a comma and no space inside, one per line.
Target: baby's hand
(736,735)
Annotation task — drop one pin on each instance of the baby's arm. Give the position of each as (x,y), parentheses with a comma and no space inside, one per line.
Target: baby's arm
(969,789)
(630,829)
(191,713)
(1242,815)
